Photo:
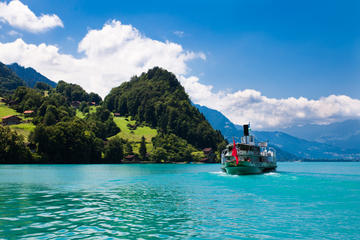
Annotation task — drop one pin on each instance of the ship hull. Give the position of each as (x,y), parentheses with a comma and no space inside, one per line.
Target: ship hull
(246,168)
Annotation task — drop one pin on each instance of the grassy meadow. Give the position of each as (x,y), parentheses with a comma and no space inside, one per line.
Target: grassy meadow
(134,136)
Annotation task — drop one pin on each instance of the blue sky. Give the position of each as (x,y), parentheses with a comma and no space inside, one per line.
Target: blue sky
(280,49)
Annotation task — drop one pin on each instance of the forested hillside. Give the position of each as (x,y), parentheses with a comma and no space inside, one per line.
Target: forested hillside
(157,98)
(69,125)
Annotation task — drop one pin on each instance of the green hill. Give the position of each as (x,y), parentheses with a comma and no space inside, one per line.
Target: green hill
(158,99)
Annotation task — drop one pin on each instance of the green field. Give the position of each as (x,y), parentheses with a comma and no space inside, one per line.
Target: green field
(81,115)
(135,136)
(23,129)
(5,110)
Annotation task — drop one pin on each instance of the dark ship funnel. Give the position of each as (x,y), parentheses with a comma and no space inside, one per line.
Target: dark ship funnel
(246,129)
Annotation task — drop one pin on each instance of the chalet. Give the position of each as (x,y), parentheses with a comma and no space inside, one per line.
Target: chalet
(130,158)
(75,104)
(210,156)
(117,114)
(11,120)
(207,150)
(28,113)
(93,103)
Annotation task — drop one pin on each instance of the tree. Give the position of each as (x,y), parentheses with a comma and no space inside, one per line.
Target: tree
(114,151)
(142,149)
(128,149)
(159,155)
(51,115)
(67,142)
(82,106)
(94,97)
(12,147)
(42,86)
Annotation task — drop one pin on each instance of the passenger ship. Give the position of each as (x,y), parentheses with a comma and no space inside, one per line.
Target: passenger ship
(247,157)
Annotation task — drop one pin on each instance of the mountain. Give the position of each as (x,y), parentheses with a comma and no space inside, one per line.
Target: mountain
(30,75)
(288,147)
(344,134)
(9,81)
(303,148)
(220,122)
(157,98)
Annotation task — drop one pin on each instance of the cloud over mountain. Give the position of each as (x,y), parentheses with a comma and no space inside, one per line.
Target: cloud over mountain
(114,53)
(264,112)
(20,16)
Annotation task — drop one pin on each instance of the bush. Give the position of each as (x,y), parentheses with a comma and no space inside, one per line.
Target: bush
(114,150)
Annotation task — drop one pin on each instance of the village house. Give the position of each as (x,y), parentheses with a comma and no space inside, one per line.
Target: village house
(10,120)
(116,114)
(210,156)
(75,104)
(28,113)
(130,158)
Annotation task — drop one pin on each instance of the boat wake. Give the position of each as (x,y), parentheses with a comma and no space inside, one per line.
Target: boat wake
(222,174)
(275,174)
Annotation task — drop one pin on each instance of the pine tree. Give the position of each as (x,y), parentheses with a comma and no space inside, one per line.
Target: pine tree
(128,149)
(142,149)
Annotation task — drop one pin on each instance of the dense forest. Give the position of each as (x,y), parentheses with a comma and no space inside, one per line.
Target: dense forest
(73,126)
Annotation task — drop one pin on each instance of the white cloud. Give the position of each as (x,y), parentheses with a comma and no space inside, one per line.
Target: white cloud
(111,56)
(263,112)
(19,15)
(116,52)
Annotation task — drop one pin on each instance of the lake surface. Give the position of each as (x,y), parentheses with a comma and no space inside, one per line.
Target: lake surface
(300,201)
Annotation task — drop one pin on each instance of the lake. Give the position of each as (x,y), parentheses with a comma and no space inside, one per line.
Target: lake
(179,201)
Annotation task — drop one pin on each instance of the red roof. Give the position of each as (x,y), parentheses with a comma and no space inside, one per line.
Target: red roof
(10,116)
(207,149)
(28,111)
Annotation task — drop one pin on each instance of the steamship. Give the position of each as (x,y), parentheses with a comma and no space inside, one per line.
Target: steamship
(248,157)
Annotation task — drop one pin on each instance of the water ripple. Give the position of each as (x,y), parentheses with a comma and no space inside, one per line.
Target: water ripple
(204,205)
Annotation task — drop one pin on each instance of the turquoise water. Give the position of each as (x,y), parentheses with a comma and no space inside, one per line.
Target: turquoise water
(300,201)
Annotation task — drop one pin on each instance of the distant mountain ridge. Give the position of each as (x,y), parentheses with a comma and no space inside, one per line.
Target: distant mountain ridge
(9,81)
(30,75)
(344,134)
(288,147)
(220,122)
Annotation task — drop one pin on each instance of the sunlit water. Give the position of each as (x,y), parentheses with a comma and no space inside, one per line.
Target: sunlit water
(300,201)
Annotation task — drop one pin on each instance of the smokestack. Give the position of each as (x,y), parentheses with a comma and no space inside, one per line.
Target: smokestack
(246,129)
